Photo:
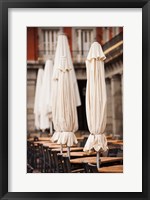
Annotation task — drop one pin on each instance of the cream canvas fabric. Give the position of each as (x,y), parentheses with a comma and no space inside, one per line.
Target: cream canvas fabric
(37,98)
(96,99)
(61,50)
(45,97)
(65,97)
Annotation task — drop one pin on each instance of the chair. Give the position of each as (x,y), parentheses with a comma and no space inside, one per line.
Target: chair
(92,168)
(68,168)
(82,144)
(57,162)
(29,169)
(31,154)
(51,162)
(120,153)
(36,138)
(47,160)
(112,152)
(41,157)
(86,167)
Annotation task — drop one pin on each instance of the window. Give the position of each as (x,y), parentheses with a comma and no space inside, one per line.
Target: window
(83,38)
(115,31)
(47,42)
(106,34)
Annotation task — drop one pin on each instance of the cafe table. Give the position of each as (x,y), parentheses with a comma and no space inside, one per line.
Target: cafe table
(111,169)
(72,149)
(39,139)
(92,160)
(81,138)
(81,154)
(44,138)
(117,142)
(54,145)
(41,142)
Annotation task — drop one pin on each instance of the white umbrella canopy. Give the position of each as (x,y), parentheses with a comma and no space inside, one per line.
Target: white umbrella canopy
(37,98)
(65,96)
(45,97)
(61,50)
(96,101)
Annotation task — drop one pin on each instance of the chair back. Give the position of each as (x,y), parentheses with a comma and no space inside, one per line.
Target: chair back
(67,164)
(92,168)
(36,138)
(112,152)
(29,168)
(86,167)
(57,161)
(46,159)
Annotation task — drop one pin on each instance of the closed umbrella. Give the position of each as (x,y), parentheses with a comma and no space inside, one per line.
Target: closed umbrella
(65,96)
(45,97)
(37,98)
(96,102)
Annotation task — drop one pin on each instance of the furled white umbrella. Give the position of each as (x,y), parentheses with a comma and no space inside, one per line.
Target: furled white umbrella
(96,101)
(45,98)
(37,98)
(65,96)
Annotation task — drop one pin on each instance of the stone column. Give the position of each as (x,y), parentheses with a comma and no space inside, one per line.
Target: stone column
(84,46)
(41,42)
(88,39)
(46,42)
(50,42)
(79,45)
(109,129)
(55,39)
(92,37)
(31,85)
(79,40)
(117,117)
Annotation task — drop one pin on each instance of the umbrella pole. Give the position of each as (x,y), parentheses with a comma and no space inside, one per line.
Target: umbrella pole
(61,148)
(51,128)
(97,159)
(68,152)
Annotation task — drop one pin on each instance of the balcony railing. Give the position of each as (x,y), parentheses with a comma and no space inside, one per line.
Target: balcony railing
(77,56)
(112,49)
(46,54)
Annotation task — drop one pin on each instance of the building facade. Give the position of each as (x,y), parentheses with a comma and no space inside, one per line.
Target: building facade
(41,45)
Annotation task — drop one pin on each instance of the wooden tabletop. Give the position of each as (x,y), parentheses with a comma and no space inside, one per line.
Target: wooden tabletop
(119,142)
(43,142)
(72,149)
(80,138)
(55,145)
(80,154)
(52,145)
(39,139)
(111,169)
(93,160)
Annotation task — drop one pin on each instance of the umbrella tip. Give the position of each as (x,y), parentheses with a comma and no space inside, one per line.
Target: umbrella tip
(61,32)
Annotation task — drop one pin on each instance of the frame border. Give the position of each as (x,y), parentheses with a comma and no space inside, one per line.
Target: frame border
(4,6)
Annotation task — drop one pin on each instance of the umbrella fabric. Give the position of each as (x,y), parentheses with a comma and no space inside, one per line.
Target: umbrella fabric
(37,98)
(96,99)
(63,48)
(65,96)
(45,97)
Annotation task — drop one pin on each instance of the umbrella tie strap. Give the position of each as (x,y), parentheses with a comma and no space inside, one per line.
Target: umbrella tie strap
(62,69)
(97,133)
